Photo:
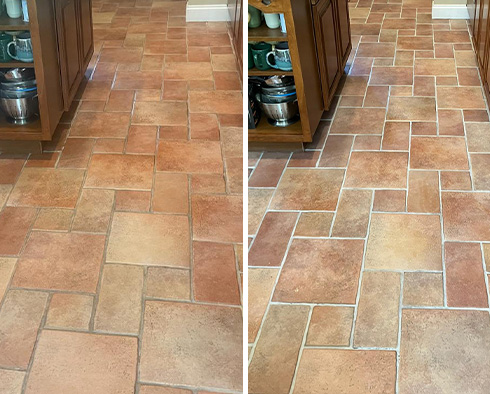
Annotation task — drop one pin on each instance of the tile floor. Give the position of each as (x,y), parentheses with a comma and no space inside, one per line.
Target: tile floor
(369,253)
(120,245)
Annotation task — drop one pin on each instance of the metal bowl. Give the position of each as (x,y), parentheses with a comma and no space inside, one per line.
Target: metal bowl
(281,114)
(20,110)
(18,74)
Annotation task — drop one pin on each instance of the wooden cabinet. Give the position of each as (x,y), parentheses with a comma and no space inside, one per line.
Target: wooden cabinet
(319,40)
(75,42)
(480,31)
(235,8)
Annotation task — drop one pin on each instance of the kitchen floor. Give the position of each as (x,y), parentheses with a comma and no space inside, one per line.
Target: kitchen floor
(121,245)
(369,251)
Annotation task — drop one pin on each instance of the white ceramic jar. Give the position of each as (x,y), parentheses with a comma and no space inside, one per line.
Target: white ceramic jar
(14,8)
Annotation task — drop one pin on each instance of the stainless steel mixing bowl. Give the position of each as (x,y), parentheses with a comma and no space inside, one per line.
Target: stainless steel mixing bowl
(20,110)
(281,114)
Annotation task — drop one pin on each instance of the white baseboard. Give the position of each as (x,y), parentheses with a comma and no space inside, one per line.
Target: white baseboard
(207,13)
(450,11)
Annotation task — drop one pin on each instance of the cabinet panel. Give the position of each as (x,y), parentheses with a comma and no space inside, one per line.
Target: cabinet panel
(69,49)
(482,33)
(86,31)
(344,29)
(326,41)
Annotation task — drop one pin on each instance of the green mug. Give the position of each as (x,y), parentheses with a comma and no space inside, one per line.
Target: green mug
(259,52)
(250,57)
(4,42)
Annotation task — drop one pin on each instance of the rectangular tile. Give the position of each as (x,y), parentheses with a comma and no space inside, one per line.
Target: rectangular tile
(423,192)
(353,214)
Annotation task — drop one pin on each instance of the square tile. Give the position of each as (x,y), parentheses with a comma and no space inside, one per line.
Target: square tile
(308,189)
(146,239)
(377,170)
(15,224)
(70,311)
(96,364)
(330,326)
(321,271)
(11,381)
(389,200)
(60,261)
(168,283)
(423,289)
(429,335)
(314,224)
(404,242)
(129,172)
(46,187)
(211,342)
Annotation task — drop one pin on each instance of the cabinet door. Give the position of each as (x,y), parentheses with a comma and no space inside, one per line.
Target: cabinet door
(476,23)
(86,31)
(69,49)
(344,30)
(326,42)
(482,33)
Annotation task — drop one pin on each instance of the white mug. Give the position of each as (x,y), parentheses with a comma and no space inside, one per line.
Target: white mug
(25,11)
(14,8)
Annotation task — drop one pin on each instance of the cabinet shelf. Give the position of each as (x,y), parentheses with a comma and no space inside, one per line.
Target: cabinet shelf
(292,133)
(263,33)
(16,64)
(272,71)
(7,23)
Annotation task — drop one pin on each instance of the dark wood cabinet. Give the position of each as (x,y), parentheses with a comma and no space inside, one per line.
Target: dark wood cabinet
(235,8)
(86,31)
(344,30)
(328,50)
(480,31)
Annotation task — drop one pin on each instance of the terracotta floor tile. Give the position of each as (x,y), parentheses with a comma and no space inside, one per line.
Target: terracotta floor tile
(218,102)
(451,36)
(376,96)
(173,91)
(377,170)
(479,171)
(443,51)
(367,142)
(314,224)
(120,55)
(72,265)
(168,283)
(401,91)
(20,319)
(404,58)
(439,335)
(450,122)
(45,187)
(214,273)
(363,371)
(320,270)
(142,139)
(71,311)
(268,171)
(94,211)
(7,266)
(272,239)
(11,381)
(475,115)
(146,239)
(204,126)
(188,71)
(468,76)
(109,145)
(76,153)
(358,121)
(119,304)
(460,97)
(411,108)
(15,224)
(95,363)
(165,390)
(336,151)
(207,184)
(4,194)
(478,137)
(120,101)
(260,284)
(391,76)
(273,364)
(162,113)
(455,180)
(423,289)
(211,343)
(438,153)
(100,125)
(134,201)
(352,217)
(330,326)
(48,159)
(465,58)
(138,80)
(376,50)
(396,136)
(189,156)
(404,242)
(258,201)
(424,86)
(304,159)
(377,313)
(354,85)
(110,171)
(217,218)
(232,140)
(465,279)
(170,193)
(423,192)
(437,67)
(53,219)
(414,43)
(308,189)
(389,200)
